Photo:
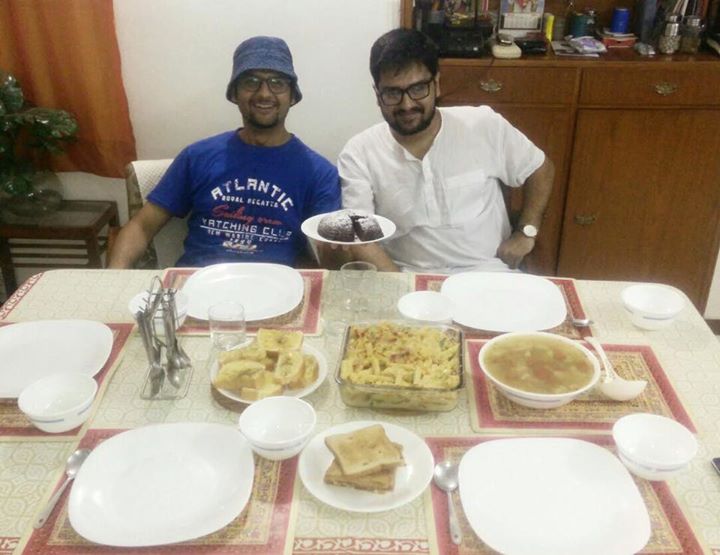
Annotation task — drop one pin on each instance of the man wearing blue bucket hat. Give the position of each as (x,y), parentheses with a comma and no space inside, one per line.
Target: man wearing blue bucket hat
(247,191)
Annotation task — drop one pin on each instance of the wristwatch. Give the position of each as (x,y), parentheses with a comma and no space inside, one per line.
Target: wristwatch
(529,230)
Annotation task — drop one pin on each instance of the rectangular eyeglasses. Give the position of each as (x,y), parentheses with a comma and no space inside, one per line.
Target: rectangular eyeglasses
(392,96)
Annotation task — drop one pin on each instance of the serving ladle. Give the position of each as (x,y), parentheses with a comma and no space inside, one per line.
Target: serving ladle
(611,385)
(445,477)
(73,464)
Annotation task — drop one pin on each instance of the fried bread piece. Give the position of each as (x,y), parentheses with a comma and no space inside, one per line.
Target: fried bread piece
(275,341)
(364,451)
(289,367)
(308,375)
(232,375)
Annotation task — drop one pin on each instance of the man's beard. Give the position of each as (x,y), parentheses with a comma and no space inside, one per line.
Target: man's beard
(252,121)
(422,125)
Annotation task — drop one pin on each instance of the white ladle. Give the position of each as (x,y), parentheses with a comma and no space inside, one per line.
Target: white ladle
(611,385)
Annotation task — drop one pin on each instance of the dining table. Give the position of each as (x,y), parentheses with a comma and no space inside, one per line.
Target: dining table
(680,362)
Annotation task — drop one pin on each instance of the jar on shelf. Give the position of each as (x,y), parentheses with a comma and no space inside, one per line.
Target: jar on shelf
(669,41)
(690,34)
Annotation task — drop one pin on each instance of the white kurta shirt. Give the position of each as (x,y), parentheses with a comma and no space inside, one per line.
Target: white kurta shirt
(448,207)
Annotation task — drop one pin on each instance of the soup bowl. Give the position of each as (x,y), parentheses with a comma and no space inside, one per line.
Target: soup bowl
(537,369)
(278,428)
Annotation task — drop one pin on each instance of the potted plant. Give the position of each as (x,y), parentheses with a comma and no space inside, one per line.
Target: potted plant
(28,136)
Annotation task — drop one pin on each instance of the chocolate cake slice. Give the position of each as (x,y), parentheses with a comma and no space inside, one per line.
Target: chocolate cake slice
(337,227)
(366,227)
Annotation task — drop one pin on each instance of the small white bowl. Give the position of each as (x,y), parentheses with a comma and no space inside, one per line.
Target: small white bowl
(538,400)
(278,427)
(426,306)
(59,402)
(182,301)
(653,447)
(652,306)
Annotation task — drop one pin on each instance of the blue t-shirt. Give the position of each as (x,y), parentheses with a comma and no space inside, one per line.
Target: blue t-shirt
(246,202)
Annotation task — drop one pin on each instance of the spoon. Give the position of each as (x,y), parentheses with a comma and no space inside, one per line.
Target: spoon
(445,477)
(612,385)
(71,468)
(581,322)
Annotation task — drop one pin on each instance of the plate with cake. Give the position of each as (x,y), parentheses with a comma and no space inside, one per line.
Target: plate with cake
(344,227)
(366,466)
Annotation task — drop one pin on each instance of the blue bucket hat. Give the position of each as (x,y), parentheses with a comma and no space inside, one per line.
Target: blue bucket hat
(269,53)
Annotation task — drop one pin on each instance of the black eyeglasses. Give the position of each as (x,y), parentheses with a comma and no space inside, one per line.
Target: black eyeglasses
(392,96)
(252,83)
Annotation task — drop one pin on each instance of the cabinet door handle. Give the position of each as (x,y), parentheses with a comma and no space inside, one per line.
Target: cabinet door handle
(585,219)
(665,89)
(491,86)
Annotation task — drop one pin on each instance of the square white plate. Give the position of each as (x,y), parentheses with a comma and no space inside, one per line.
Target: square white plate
(552,495)
(264,290)
(32,350)
(162,484)
(504,301)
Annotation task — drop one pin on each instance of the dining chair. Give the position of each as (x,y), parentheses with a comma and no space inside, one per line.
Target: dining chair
(141,176)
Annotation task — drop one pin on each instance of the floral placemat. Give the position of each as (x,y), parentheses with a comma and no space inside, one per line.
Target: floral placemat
(263,528)
(14,424)
(489,409)
(671,533)
(8,306)
(305,317)
(360,546)
(433,282)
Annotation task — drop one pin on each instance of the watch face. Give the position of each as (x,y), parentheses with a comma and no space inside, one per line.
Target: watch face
(529,230)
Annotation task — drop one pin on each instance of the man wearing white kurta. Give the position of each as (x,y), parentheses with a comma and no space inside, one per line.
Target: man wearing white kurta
(436,172)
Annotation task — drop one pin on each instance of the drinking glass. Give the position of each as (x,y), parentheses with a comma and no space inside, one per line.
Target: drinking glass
(227,325)
(358,280)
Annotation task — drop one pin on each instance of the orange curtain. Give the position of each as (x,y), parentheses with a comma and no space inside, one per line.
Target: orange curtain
(65,55)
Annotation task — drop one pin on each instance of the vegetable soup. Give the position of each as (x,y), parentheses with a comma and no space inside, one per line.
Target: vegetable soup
(538,364)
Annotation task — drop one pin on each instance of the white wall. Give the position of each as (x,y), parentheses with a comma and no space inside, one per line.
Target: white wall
(177,58)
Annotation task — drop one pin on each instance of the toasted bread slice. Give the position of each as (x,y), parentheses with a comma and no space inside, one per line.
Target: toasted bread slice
(276,341)
(230,375)
(364,451)
(380,482)
(289,367)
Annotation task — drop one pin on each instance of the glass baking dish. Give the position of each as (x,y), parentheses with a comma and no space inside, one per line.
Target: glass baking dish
(402,396)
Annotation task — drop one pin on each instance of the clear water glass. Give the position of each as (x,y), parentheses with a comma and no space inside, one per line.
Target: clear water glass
(227,325)
(358,279)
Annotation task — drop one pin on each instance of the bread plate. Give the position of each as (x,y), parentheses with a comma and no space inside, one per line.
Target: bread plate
(410,479)
(308,350)
(310,228)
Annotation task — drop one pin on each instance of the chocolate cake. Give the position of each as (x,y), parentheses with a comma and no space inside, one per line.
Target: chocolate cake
(346,225)
(366,228)
(337,227)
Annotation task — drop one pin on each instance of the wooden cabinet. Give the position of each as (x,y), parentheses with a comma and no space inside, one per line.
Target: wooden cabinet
(643,199)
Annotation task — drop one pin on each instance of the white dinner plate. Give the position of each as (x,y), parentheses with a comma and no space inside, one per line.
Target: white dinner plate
(308,350)
(552,495)
(309,228)
(162,484)
(32,350)
(264,290)
(410,480)
(504,301)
